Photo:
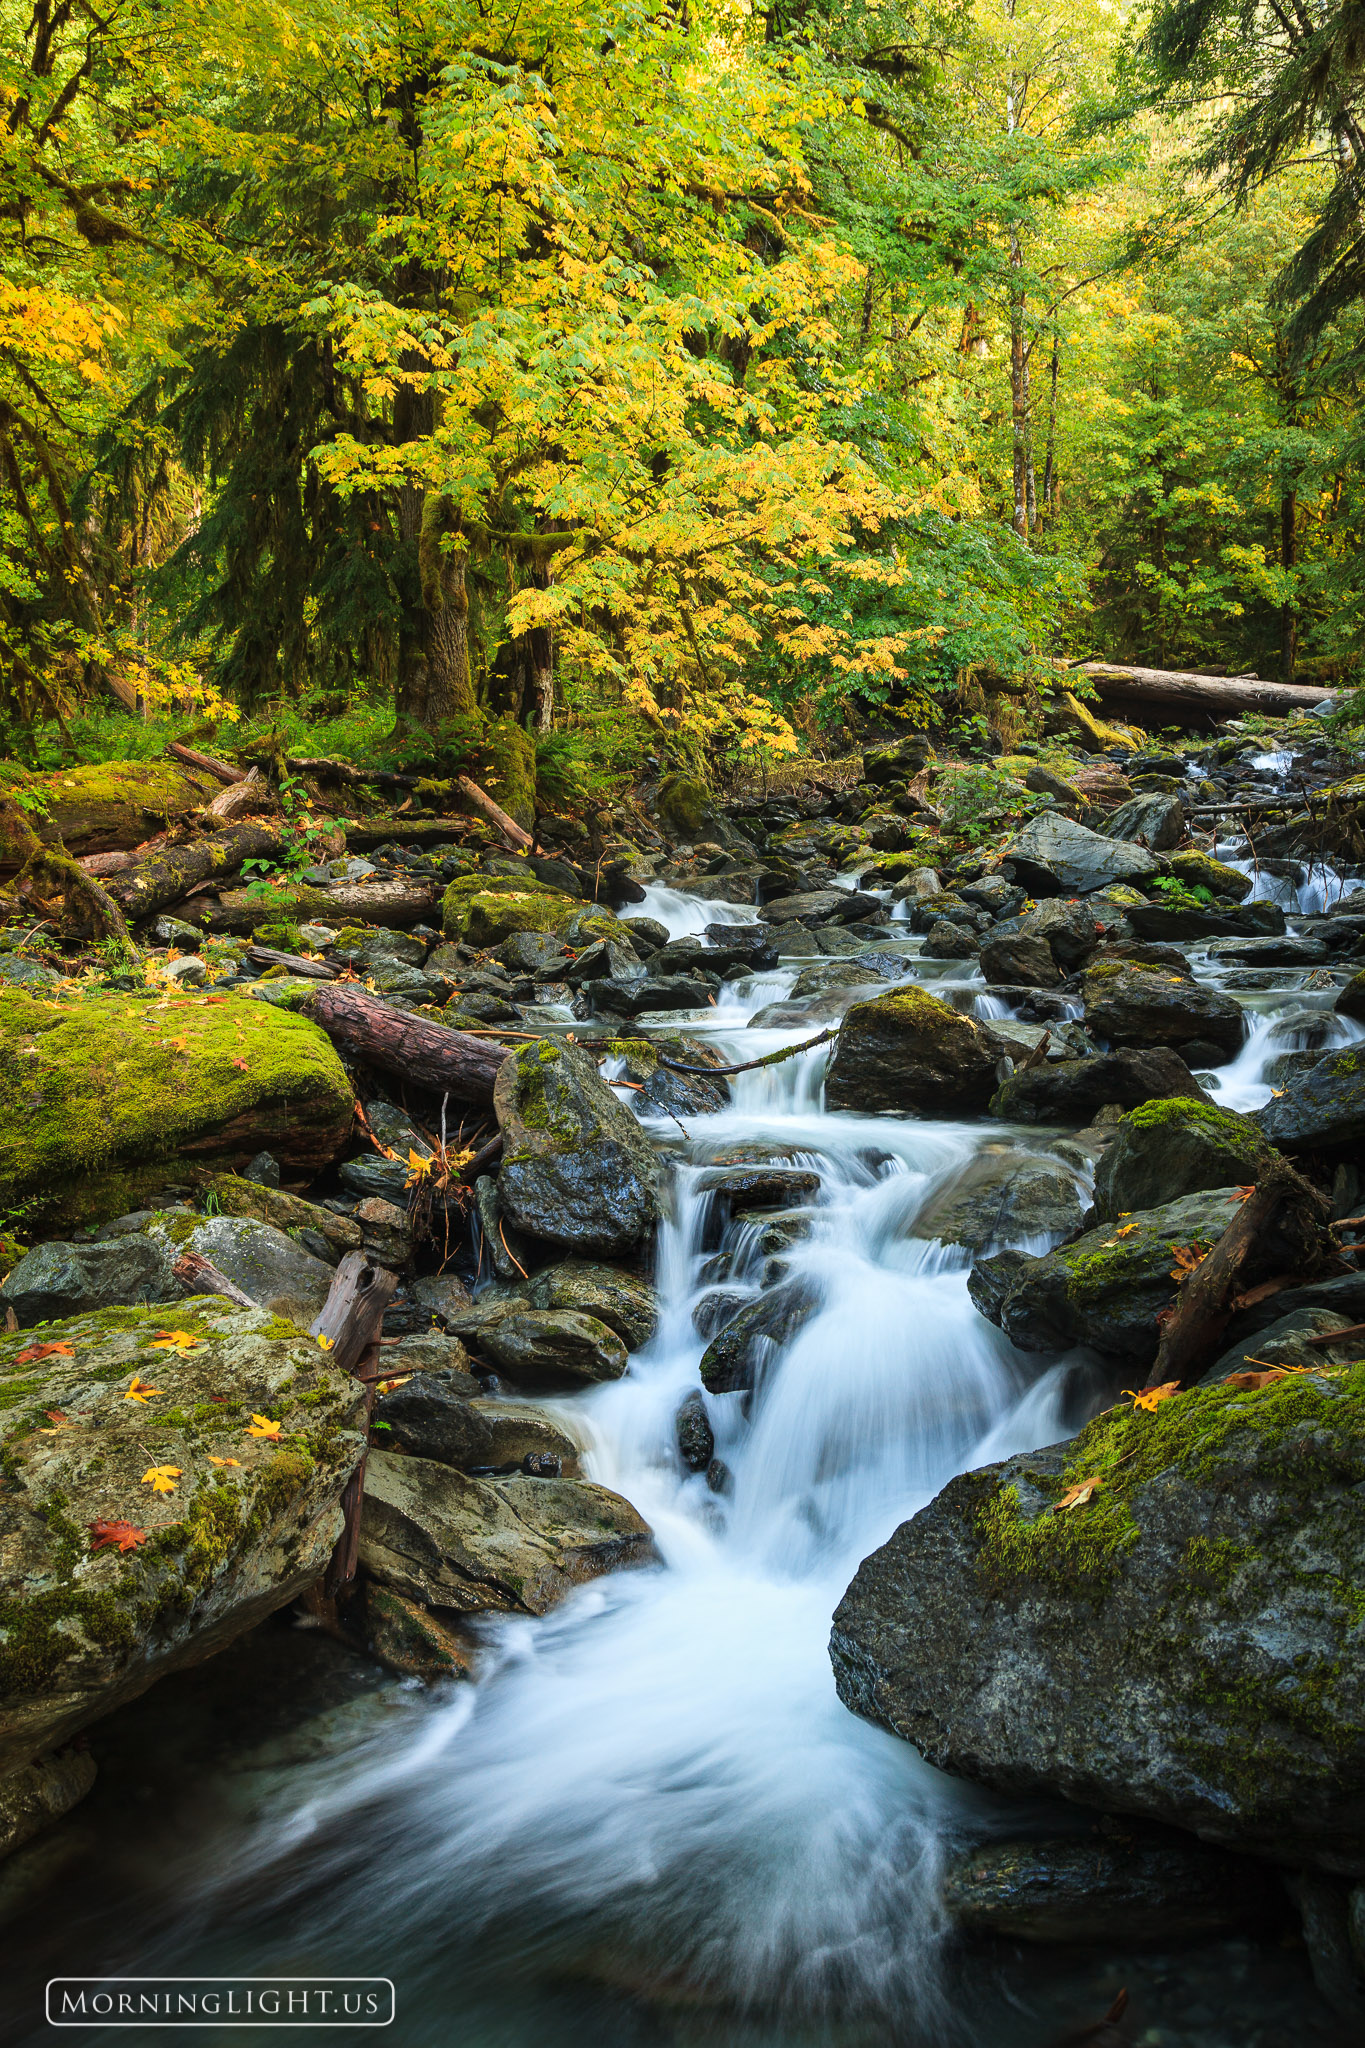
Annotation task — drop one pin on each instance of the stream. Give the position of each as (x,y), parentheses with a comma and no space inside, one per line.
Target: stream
(652,1821)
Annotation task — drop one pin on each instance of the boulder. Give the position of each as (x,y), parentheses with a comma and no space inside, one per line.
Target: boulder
(1201,871)
(1107,1289)
(1322,1109)
(1163,1150)
(1178,925)
(761,1186)
(519,1431)
(908,1051)
(636,998)
(245,1521)
(734,1361)
(506,1546)
(1070,1091)
(820,906)
(624,1302)
(1288,951)
(692,1430)
(1351,1001)
(1156,822)
(228,1194)
(1130,1004)
(946,941)
(55,1280)
(554,1344)
(662,1090)
(1115,1883)
(1002,1196)
(1305,1340)
(535,953)
(1185,1644)
(276,1272)
(432,1415)
(1055,856)
(1019,959)
(413,1642)
(106,1084)
(577,1170)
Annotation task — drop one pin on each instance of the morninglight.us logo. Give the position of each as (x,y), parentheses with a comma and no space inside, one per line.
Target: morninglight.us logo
(213,2001)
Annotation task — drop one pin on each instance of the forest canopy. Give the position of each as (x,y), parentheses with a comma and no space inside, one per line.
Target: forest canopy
(721,372)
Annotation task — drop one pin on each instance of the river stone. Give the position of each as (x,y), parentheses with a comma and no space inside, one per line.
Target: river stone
(760,1187)
(1286,951)
(908,1051)
(554,1344)
(538,954)
(1114,1884)
(733,1362)
(662,1091)
(1288,1341)
(40,1792)
(233,1195)
(1019,959)
(652,992)
(518,1430)
(1135,1005)
(945,941)
(505,1546)
(820,906)
(1070,1091)
(1351,1001)
(431,1351)
(1227,921)
(430,1417)
(275,1271)
(57,1279)
(1107,1290)
(623,1301)
(81,1630)
(1201,871)
(1156,822)
(1186,1645)
(1164,1150)
(829,974)
(1055,856)
(1321,1109)
(1000,1197)
(692,1429)
(413,1642)
(577,1170)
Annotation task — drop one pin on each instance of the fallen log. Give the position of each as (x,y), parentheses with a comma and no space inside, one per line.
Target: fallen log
(353,1314)
(394,904)
(367,1030)
(223,770)
(247,795)
(509,828)
(170,873)
(312,970)
(1182,692)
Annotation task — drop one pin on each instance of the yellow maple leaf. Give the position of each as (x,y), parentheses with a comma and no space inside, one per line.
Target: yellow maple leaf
(1149,1398)
(326,1343)
(174,1340)
(1076,1496)
(223,1461)
(418,1168)
(261,1425)
(161,1478)
(138,1390)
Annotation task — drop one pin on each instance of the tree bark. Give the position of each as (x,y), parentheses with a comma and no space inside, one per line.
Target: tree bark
(1176,690)
(392,904)
(428,1056)
(149,885)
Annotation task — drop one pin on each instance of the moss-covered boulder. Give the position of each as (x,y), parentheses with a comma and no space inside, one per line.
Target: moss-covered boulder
(1322,1109)
(684,806)
(1133,1004)
(112,1083)
(1108,1288)
(1201,871)
(1188,1642)
(484,910)
(577,1170)
(555,1347)
(909,1051)
(1167,1149)
(110,805)
(506,1546)
(623,1301)
(109,1577)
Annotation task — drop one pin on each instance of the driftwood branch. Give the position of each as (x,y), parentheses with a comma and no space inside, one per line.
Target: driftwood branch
(353,1313)
(196,1272)
(481,800)
(769,1059)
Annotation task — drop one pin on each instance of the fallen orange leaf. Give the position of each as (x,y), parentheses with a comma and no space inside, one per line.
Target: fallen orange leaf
(262,1425)
(120,1535)
(138,1390)
(1076,1496)
(1152,1397)
(223,1461)
(1186,1260)
(174,1340)
(36,1351)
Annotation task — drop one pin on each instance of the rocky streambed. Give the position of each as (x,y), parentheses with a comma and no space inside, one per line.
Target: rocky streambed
(698,1362)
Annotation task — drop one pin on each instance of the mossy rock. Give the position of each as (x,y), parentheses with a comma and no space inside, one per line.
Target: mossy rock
(110,1083)
(1170,1148)
(1188,1643)
(1351,1001)
(110,805)
(248,1523)
(577,1170)
(509,772)
(485,910)
(684,806)
(909,1051)
(284,937)
(1201,871)
(1071,715)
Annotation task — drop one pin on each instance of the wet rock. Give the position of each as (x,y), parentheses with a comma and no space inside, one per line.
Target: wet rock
(509,1546)
(947,907)
(1225,921)
(1107,1290)
(1164,1150)
(554,1345)
(412,1641)
(230,1194)
(1351,1001)
(663,1091)
(436,1298)
(908,1051)
(432,1352)
(760,1187)
(266,1264)
(519,1431)
(577,1170)
(85,1625)
(1321,1109)
(820,906)
(1288,951)
(538,954)
(1114,1884)
(1135,1005)
(1018,958)
(1072,1090)
(751,946)
(945,941)
(653,992)
(1055,856)
(607,960)
(832,974)
(41,1792)
(1201,871)
(716,1308)
(1156,822)
(55,1279)
(734,1361)
(623,1301)
(432,1416)
(1185,1646)
(1000,1197)
(692,1429)
(1289,1341)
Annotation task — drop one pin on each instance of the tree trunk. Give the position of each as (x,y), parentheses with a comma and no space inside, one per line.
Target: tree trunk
(427,1056)
(1050,484)
(1018,397)
(393,904)
(1289,617)
(1182,690)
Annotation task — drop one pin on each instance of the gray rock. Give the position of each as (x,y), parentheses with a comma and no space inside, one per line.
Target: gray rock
(432,1416)
(438,1297)
(1164,1150)
(57,1279)
(1020,959)
(1323,1108)
(624,1302)
(1185,1645)
(908,1051)
(653,992)
(1288,1342)
(539,954)
(1351,1001)
(577,1170)
(270,1267)
(1000,1197)
(945,941)
(189,971)
(1070,1091)
(23,973)
(820,906)
(828,974)
(510,1546)
(173,931)
(1135,1005)
(1156,822)
(1114,1884)
(662,1091)
(760,1187)
(519,1431)
(611,960)
(1286,951)
(734,1361)
(1055,856)
(554,1344)
(433,1352)
(1228,921)
(692,1428)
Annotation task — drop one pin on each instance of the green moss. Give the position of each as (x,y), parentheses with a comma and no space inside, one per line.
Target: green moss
(285,938)
(537,1096)
(684,804)
(1223,1124)
(39,1631)
(509,770)
(1202,871)
(484,910)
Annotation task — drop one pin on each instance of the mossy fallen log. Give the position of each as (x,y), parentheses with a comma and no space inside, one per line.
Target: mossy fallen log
(395,905)
(172,871)
(107,806)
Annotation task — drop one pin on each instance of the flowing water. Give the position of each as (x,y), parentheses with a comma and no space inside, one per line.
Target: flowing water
(652,1821)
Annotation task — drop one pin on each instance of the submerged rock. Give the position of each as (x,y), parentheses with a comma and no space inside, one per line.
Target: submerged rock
(733,1362)
(509,1546)
(577,1170)
(1001,1196)
(412,1641)
(1186,1644)
(1163,1150)
(908,1051)
(244,1524)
